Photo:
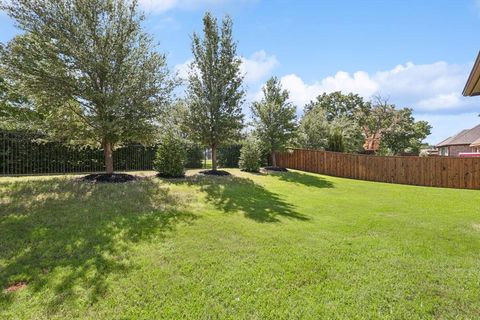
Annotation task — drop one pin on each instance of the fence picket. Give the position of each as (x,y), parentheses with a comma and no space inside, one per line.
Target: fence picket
(462,173)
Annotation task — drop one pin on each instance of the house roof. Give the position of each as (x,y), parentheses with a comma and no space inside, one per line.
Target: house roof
(464,137)
(472,88)
(475,143)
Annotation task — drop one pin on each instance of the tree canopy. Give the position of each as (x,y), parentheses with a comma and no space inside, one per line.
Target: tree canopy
(215,93)
(274,117)
(372,124)
(332,120)
(338,104)
(90,61)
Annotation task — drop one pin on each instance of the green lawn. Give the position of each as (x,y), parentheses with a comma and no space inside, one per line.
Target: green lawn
(281,246)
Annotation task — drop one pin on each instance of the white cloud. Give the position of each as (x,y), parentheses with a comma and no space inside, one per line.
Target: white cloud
(160,6)
(440,102)
(183,69)
(428,88)
(258,66)
(302,93)
(432,90)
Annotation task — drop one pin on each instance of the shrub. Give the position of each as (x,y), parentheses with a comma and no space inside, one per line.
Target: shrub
(335,142)
(250,156)
(229,155)
(170,157)
(194,155)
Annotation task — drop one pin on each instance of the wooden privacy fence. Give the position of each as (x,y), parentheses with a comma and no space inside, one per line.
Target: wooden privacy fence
(448,172)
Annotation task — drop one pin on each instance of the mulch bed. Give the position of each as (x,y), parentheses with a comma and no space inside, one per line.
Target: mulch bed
(159,175)
(16,286)
(276,169)
(109,178)
(215,173)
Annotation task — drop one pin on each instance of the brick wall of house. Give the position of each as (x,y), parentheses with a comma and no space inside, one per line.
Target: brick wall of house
(453,151)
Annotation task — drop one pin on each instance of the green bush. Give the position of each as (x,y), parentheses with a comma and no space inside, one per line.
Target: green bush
(194,155)
(250,156)
(170,157)
(229,155)
(335,142)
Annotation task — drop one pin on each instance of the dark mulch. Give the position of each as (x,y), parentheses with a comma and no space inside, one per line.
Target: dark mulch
(276,169)
(109,178)
(243,170)
(16,286)
(215,173)
(159,175)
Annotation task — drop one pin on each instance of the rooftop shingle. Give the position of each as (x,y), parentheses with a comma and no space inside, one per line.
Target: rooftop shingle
(467,137)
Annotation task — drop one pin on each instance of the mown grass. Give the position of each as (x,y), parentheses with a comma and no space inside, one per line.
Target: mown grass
(250,246)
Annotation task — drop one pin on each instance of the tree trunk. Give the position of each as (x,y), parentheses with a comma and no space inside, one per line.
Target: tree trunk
(214,157)
(205,158)
(107,153)
(274,159)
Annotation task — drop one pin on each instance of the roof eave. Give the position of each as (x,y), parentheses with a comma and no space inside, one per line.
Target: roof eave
(472,87)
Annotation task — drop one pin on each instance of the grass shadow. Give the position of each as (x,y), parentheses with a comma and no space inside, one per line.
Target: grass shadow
(304,179)
(59,233)
(236,194)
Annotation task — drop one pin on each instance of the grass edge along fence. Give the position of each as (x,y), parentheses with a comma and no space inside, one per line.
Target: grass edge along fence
(445,172)
(26,154)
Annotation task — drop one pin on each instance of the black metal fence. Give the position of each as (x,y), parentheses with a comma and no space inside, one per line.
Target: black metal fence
(25,153)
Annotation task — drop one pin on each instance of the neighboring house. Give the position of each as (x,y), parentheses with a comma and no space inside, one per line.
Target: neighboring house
(465,141)
(372,143)
(472,88)
(476,145)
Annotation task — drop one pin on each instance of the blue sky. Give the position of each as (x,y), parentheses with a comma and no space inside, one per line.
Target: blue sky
(418,53)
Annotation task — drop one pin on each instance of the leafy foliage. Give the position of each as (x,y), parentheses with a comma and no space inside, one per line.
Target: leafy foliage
(396,128)
(360,124)
(194,155)
(172,121)
(31,152)
(313,130)
(405,134)
(250,155)
(92,62)
(337,104)
(228,155)
(215,92)
(15,110)
(274,117)
(335,142)
(171,156)
(316,131)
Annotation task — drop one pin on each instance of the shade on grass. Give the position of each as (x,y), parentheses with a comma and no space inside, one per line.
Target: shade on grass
(285,245)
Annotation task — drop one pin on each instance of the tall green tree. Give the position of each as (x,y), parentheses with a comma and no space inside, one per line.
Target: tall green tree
(396,129)
(313,130)
(338,104)
(90,60)
(405,135)
(376,120)
(333,117)
(215,92)
(274,118)
(15,111)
